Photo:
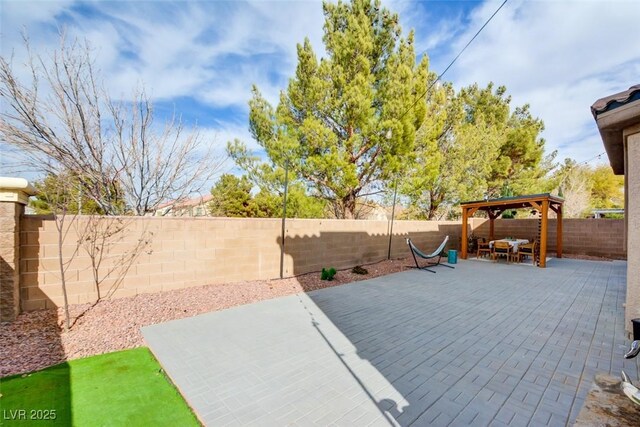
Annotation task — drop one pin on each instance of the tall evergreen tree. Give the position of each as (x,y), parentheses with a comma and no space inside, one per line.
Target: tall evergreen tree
(472,146)
(270,180)
(232,197)
(56,193)
(347,122)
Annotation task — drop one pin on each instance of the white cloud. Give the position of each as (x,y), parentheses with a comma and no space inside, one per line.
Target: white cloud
(228,131)
(177,49)
(16,13)
(433,31)
(560,57)
(441,34)
(210,51)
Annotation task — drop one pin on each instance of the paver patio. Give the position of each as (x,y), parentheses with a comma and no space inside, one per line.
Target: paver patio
(482,344)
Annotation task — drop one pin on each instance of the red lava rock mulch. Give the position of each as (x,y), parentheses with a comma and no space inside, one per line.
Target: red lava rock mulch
(37,339)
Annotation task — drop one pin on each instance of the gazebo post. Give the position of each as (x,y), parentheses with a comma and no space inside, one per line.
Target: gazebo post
(491,225)
(543,234)
(464,241)
(559,233)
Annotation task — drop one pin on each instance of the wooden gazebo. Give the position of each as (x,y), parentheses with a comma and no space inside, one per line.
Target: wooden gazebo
(494,207)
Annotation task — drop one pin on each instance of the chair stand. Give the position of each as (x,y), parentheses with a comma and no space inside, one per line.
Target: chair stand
(437,253)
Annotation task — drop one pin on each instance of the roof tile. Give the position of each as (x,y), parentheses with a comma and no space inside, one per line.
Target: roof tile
(604,104)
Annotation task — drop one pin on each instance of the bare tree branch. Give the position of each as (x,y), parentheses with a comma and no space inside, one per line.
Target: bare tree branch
(62,121)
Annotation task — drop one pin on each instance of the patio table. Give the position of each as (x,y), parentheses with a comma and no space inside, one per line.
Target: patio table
(514,243)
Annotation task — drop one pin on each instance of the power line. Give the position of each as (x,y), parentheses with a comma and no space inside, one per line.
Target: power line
(454,60)
(584,162)
(568,171)
(597,156)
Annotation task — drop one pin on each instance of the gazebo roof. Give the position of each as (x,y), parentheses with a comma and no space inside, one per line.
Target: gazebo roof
(513,202)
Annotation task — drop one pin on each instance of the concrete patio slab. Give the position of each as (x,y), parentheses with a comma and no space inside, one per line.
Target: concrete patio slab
(483,344)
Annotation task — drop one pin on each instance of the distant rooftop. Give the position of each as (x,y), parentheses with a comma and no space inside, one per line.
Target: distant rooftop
(184,203)
(602,213)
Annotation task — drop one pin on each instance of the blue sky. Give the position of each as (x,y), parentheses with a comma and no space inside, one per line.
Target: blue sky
(201,58)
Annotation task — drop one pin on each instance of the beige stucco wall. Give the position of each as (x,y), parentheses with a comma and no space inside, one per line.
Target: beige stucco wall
(184,252)
(632,211)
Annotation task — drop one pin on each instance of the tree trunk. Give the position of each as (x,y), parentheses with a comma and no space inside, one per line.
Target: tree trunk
(434,204)
(349,206)
(60,226)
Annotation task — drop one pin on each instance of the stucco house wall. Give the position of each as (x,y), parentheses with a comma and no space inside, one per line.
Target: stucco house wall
(632,215)
(618,120)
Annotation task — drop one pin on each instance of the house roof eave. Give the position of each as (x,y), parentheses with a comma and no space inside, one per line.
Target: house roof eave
(612,122)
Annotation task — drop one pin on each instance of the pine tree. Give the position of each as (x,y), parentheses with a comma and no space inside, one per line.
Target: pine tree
(472,146)
(348,122)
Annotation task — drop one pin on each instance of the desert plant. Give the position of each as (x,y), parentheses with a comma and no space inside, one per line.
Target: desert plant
(327,274)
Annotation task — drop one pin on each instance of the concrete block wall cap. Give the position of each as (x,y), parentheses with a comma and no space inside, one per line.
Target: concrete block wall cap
(8,183)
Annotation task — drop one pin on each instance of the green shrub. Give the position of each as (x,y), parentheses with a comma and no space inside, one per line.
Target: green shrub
(328,274)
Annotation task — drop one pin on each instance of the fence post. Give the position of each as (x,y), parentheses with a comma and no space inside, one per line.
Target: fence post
(14,195)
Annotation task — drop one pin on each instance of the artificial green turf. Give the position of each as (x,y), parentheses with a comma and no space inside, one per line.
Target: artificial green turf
(115,389)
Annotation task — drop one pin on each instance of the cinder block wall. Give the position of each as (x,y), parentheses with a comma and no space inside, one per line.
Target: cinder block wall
(180,252)
(595,237)
(176,253)
(185,252)
(313,244)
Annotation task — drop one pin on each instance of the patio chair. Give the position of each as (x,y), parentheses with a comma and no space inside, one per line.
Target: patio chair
(528,250)
(483,248)
(501,249)
(438,253)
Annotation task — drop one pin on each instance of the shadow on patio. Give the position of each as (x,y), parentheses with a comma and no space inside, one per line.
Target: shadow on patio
(484,343)
(487,343)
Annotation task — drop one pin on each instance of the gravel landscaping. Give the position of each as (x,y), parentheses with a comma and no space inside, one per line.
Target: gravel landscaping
(37,340)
